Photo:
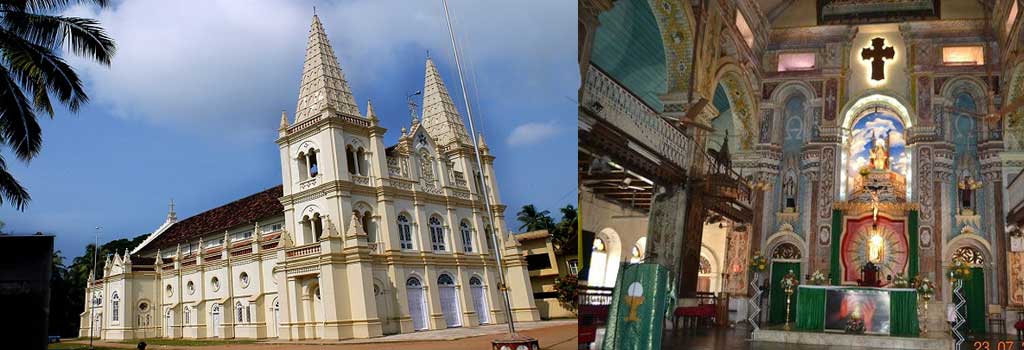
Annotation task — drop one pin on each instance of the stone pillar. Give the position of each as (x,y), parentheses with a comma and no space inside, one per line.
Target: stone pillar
(665,227)
(689,252)
(517,279)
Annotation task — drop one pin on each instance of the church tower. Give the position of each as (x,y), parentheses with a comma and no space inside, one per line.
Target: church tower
(325,155)
(440,116)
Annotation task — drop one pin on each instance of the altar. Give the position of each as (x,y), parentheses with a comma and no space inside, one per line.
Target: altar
(877,311)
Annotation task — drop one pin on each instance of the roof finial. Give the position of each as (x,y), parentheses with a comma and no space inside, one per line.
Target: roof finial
(314,10)
(171,215)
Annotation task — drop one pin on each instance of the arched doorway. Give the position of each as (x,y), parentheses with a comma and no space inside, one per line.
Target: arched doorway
(215,320)
(785,258)
(417,303)
(449,301)
(169,323)
(479,299)
(875,118)
(973,291)
(275,311)
(604,259)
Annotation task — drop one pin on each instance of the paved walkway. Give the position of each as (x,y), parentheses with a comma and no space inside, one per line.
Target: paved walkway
(554,335)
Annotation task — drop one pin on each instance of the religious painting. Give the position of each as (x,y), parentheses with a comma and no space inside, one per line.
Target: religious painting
(877,144)
(883,243)
(738,250)
(831,93)
(1016,278)
(870,306)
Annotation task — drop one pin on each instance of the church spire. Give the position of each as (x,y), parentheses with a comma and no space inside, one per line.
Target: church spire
(440,116)
(369,111)
(171,215)
(323,84)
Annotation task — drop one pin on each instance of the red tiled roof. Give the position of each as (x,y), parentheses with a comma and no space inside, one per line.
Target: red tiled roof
(243,211)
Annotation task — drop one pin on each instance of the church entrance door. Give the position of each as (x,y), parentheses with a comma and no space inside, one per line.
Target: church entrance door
(417,305)
(168,323)
(449,301)
(215,320)
(479,300)
(274,328)
(777,297)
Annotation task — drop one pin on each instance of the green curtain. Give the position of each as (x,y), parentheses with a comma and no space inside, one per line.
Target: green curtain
(777,307)
(623,333)
(912,257)
(812,302)
(903,313)
(837,231)
(974,292)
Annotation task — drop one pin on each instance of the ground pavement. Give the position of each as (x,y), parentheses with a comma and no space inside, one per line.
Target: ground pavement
(555,335)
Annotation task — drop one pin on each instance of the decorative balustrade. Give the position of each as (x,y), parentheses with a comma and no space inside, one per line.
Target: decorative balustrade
(309,249)
(459,179)
(396,167)
(461,194)
(431,188)
(628,113)
(307,184)
(314,119)
(399,184)
(361,180)
(303,124)
(722,178)
(354,120)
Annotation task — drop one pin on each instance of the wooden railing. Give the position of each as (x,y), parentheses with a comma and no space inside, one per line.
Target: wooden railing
(620,108)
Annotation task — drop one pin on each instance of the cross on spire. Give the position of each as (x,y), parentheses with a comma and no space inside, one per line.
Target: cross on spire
(877,53)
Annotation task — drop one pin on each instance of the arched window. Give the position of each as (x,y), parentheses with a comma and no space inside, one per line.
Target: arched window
(350,157)
(467,237)
(313,166)
(303,161)
(475,281)
(318,227)
(238,311)
(445,280)
(367,221)
(361,162)
(436,234)
(489,236)
(188,315)
(413,282)
(404,232)
(115,304)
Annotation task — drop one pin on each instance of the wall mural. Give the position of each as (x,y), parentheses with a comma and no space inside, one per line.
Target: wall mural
(877,129)
(741,107)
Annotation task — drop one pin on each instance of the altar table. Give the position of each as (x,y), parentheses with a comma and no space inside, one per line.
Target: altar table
(902,313)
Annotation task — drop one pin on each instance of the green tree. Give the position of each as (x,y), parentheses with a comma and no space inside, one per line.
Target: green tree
(75,279)
(32,71)
(533,220)
(564,234)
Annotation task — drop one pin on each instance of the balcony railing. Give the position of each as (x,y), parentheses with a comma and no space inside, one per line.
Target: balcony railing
(308,249)
(628,113)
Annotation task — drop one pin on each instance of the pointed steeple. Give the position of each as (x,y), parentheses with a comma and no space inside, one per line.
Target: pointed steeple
(284,121)
(323,84)
(369,111)
(480,142)
(171,215)
(440,116)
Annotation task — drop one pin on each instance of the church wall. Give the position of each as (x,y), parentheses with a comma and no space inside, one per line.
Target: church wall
(628,224)
(859,79)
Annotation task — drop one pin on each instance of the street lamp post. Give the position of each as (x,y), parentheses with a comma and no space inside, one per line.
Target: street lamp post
(92,276)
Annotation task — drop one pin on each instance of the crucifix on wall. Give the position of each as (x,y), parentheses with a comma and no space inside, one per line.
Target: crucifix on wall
(877,53)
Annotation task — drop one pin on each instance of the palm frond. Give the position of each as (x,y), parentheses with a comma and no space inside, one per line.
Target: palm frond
(47,5)
(40,71)
(11,190)
(81,36)
(18,126)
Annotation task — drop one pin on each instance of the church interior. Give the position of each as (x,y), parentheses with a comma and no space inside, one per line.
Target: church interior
(778,170)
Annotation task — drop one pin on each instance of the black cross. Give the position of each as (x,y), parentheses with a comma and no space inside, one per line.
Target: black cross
(876,53)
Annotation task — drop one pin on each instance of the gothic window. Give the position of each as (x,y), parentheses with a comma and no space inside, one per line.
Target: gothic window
(705,266)
(188,315)
(969,255)
(489,236)
(238,311)
(115,303)
(303,165)
(313,166)
(350,157)
(404,232)
(786,251)
(467,237)
(445,280)
(436,234)
(312,228)
(361,162)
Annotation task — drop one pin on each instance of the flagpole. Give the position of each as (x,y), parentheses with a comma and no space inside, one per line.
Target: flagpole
(92,276)
(480,170)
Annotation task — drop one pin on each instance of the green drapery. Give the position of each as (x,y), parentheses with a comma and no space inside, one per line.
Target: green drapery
(912,239)
(812,309)
(837,231)
(903,313)
(974,293)
(644,332)
(777,297)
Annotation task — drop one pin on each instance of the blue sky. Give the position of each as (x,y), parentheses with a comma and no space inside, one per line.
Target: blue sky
(189,108)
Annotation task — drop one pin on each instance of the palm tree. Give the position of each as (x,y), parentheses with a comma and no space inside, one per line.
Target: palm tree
(31,71)
(533,220)
(565,231)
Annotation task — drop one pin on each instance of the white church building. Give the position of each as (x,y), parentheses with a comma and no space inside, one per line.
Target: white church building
(359,241)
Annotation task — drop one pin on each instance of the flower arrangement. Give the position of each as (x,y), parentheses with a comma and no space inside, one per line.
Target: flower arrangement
(900,281)
(854,323)
(817,278)
(758,263)
(789,281)
(924,287)
(959,271)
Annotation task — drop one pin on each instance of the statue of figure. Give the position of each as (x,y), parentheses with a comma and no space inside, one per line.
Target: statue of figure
(879,154)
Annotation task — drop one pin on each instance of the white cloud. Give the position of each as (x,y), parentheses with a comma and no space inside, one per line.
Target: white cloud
(531,133)
(229,64)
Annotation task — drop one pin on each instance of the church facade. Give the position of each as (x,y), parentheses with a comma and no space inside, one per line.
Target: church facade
(359,241)
(714,130)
